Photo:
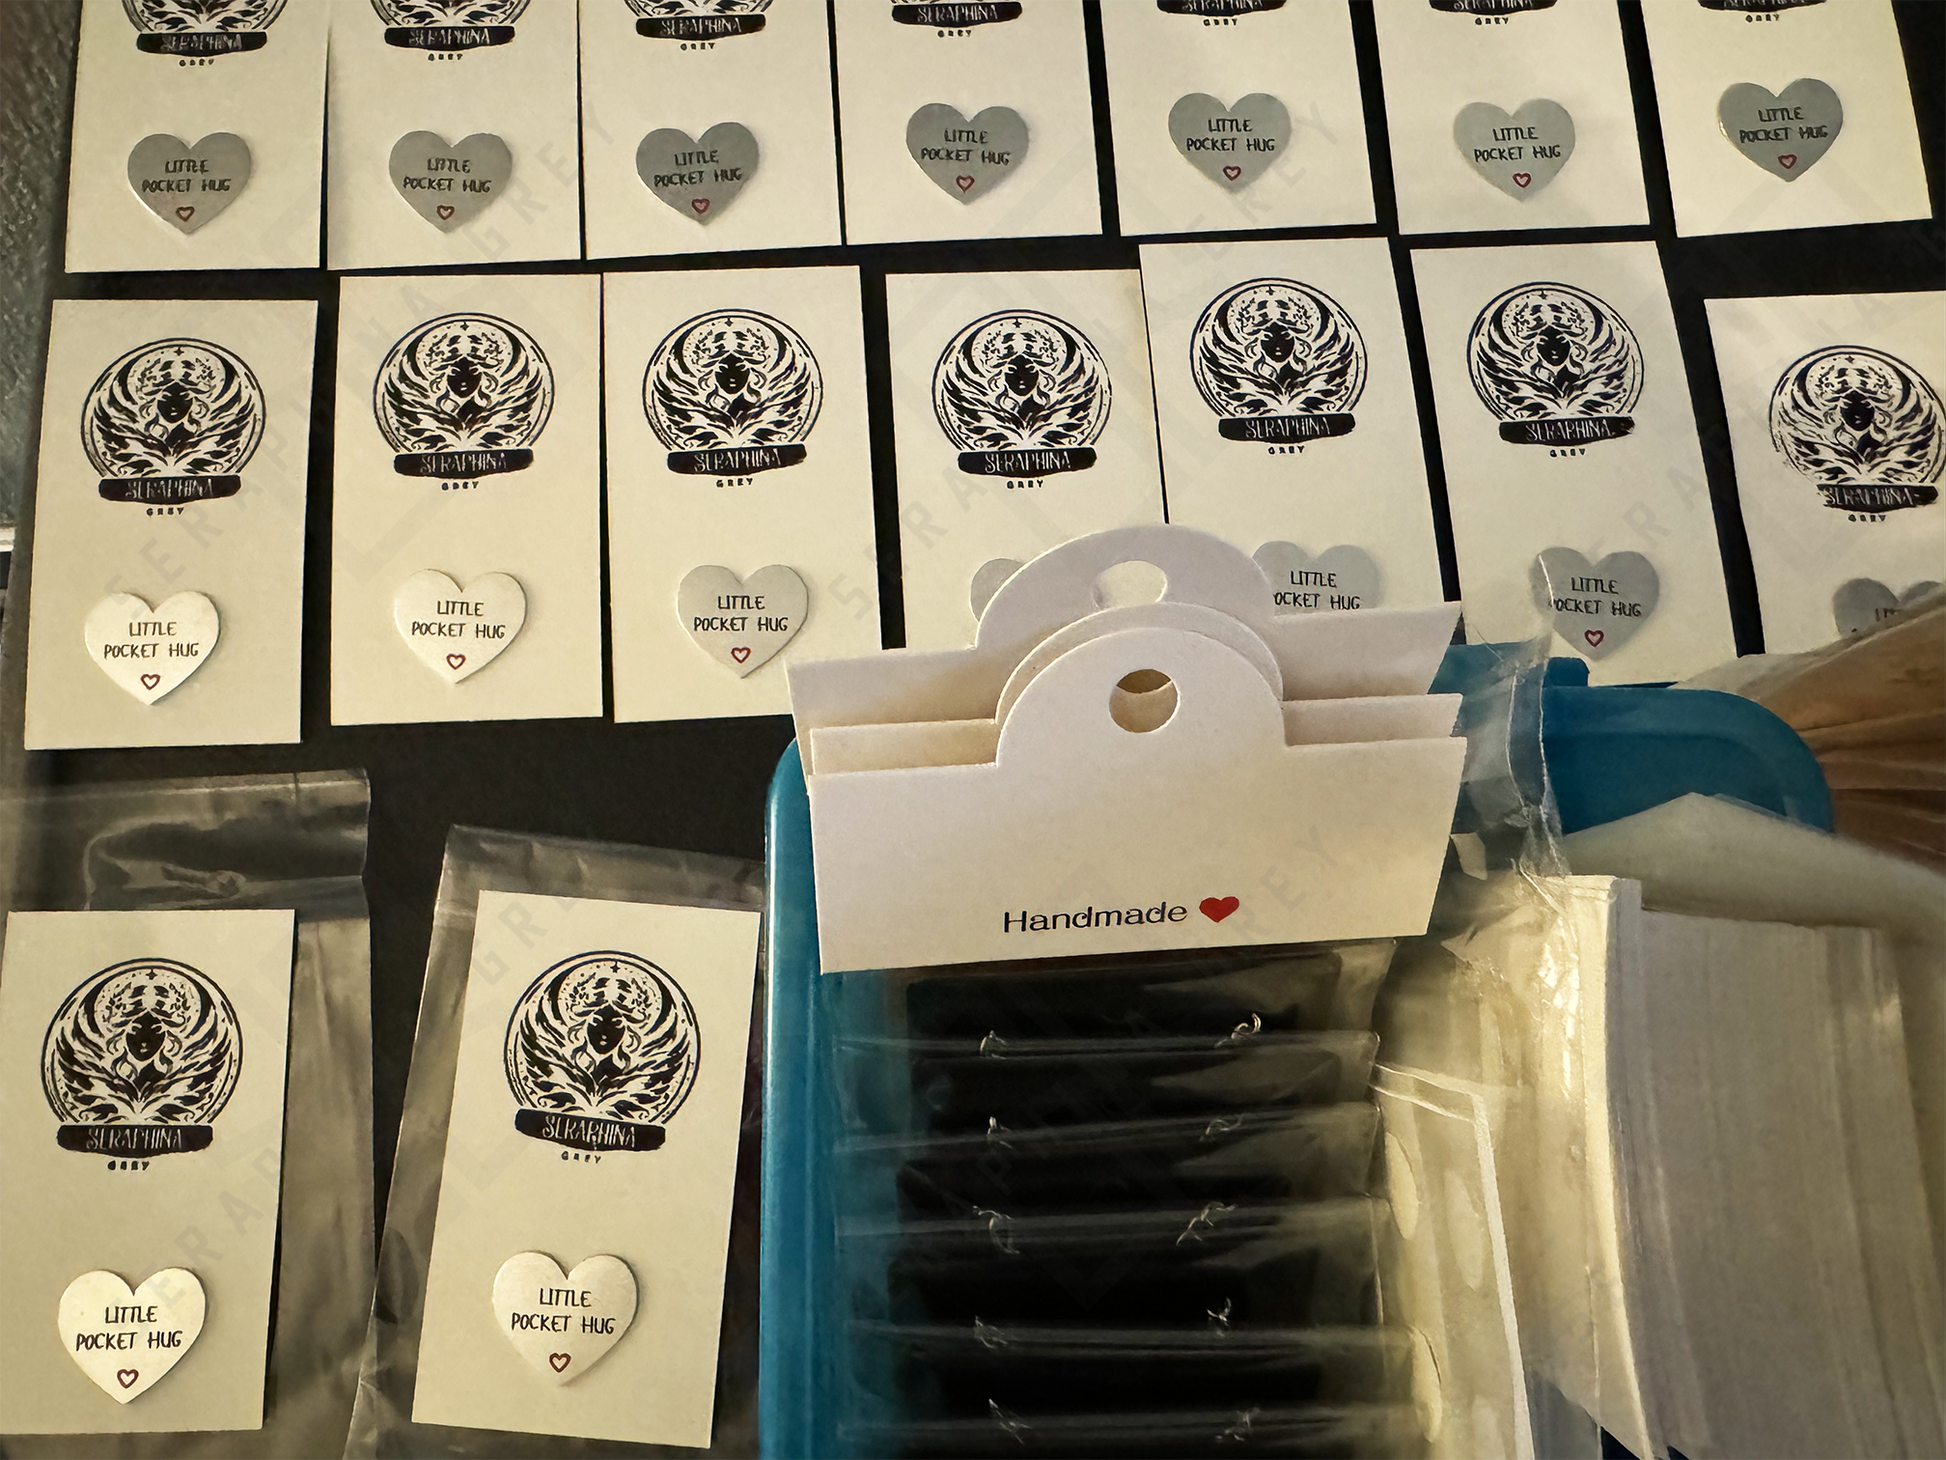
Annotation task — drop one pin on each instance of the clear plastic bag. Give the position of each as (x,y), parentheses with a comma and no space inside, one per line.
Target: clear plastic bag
(1391,1431)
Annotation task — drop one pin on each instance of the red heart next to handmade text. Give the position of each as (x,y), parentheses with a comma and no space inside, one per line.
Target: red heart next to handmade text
(701,205)
(1594,637)
(1521,179)
(1217,908)
(1789,159)
(127,1377)
(453,661)
(445,210)
(185,214)
(559,1361)
(740,653)
(1233,173)
(150,681)
(965,182)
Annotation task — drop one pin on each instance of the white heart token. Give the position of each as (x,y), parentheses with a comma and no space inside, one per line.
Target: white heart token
(742,624)
(126,1341)
(148,652)
(458,633)
(562,1323)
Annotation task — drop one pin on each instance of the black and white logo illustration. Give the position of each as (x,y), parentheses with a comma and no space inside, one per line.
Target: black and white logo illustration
(1217,8)
(1021,394)
(601,1050)
(698,20)
(1863,425)
(140,1059)
(957,14)
(1556,364)
(464,395)
(1278,361)
(448,25)
(171,422)
(732,392)
(201,27)
(1757,7)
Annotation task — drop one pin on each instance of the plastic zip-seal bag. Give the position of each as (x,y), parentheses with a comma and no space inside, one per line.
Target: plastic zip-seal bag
(1356,1432)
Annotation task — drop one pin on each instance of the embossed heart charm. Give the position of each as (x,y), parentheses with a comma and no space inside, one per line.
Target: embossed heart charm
(1864,603)
(1595,607)
(450,186)
(188,186)
(150,651)
(699,179)
(987,579)
(965,158)
(1518,154)
(1233,145)
(562,1323)
(127,1340)
(741,623)
(458,632)
(1786,133)
(1338,578)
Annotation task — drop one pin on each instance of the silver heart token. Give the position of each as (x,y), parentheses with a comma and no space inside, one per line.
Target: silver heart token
(150,651)
(966,158)
(456,633)
(1864,603)
(699,179)
(1786,133)
(1233,146)
(188,186)
(1595,607)
(742,624)
(450,186)
(1518,154)
(126,1339)
(1339,577)
(563,1322)
(987,579)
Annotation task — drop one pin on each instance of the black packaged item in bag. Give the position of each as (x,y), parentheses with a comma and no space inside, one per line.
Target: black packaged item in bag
(1357,1431)
(1299,1265)
(1260,1155)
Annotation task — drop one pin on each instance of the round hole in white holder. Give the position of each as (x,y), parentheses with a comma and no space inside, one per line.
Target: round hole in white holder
(1125,584)
(1142,700)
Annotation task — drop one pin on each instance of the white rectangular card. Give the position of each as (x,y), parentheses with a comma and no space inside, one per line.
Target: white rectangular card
(737,447)
(499,176)
(141,1130)
(175,438)
(468,444)
(1835,420)
(1566,426)
(198,136)
(1246,166)
(1525,166)
(1024,417)
(706,190)
(1029,61)
(595,1113)
(1745,162)
(1284,399)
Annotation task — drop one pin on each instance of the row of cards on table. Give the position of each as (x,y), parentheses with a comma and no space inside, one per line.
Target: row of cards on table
(1267,384)
(486,132)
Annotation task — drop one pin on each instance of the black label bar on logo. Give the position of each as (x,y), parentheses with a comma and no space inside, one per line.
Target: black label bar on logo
(1877,497)
(1490,7)
(1041,462)
(1566,430)
(1759,6)
(169,491)
(199,42)
(698,27)
(965,12)
(734,461)
(447,37)
(1216,7)
(461,463)
(134,1140)
(588,1132)
(1285,428)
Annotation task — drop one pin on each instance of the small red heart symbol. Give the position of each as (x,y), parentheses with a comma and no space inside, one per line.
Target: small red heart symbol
(445,210)
(965,182)
(150,681)
(701,205)
(185,214)
(740,653)
(1217,908)
(1233,173)
(453,661)
(1594,637)
(127,1377)
(1789,159)
(559,1361)
(1523,178)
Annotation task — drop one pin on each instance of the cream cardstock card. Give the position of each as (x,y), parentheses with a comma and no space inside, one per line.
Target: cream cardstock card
(1871,171)
(495,69)
(595,1113)
(467,444)
(1834,404)
(1439,61)
(1565,422)
(1285,403)
(737,442)
(141,1129)
(1024,417)
(977,182)
(151,68)
(175,438)
(774,81)
(1318,175)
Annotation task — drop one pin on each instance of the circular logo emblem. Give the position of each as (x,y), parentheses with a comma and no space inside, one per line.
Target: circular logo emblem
(201,27)
(1863,425)
(698,20)
(140,1059)
(463,396)
(1278,361)
(671,9)
(1021,393)
(1556,364)
(732,392)
(601,1050)
(173,421)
